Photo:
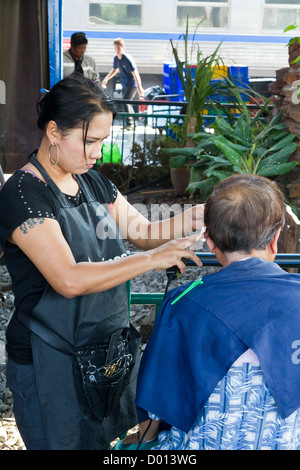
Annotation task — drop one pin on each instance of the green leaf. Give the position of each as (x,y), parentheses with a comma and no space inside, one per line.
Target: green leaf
(190,151)
(282,143)
(276,119)
(222,125)
(268,130)
(243,130)
(224,128)
(271,146)
(239,148)
(278,169)
(196,174)
(260,152)
(204,184)
(200,164)
(180,160)
(198,135)
(278,157)
(291,26)
(239,170)
(275,137)
(220,175)
(233,157)
(296,60)
(218,159)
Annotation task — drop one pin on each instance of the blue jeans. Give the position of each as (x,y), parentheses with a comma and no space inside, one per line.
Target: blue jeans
(22,383)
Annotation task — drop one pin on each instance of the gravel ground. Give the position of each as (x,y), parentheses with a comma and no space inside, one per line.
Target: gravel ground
(10,438)
(142,316)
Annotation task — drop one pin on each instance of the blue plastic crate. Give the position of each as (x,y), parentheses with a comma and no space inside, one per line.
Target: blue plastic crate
(243,83)
(170,78)
(192,69)
(217,96)
(239,75)
(171,82)
(167,77)
(238,72)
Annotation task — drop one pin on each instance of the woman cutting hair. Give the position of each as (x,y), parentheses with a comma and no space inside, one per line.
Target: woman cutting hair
(72,353)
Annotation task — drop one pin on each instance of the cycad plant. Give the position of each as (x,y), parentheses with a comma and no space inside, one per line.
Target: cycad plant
(246,144)
(252,148)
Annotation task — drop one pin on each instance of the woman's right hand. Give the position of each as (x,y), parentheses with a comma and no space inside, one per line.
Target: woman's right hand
(171,253)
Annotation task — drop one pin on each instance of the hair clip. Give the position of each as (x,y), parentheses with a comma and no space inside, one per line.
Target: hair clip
(40,100)
(194,284)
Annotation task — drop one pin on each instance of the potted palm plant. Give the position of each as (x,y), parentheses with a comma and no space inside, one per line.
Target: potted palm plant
(196,77)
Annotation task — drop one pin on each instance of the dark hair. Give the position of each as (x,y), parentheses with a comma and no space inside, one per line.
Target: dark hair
(243,213)
(78,38)
(72,103)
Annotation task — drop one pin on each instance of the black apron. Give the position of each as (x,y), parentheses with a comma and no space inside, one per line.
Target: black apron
(85,351)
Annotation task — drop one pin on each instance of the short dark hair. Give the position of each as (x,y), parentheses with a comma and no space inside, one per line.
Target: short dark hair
(243,213)
(72,103)
(78,38)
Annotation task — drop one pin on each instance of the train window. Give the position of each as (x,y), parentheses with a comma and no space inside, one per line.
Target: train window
(212,13)
(116,12)
(278,14)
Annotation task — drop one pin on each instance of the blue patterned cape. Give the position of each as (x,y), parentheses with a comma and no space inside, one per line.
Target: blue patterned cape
(240,414)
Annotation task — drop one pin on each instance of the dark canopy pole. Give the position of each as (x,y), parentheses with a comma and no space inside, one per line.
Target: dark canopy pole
(55,38)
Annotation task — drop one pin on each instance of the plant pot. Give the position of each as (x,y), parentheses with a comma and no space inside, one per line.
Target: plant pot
(180,179)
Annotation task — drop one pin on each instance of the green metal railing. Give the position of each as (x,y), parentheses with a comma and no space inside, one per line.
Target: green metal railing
(141,124)
(146,125)
(143,298)
(165,115)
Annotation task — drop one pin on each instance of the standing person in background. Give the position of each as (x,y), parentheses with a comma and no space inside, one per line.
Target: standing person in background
(76,60)
(130,77)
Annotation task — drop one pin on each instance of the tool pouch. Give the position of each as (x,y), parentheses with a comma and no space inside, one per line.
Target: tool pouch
(105,371)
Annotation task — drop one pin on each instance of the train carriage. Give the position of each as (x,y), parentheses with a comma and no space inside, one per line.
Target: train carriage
(252,33)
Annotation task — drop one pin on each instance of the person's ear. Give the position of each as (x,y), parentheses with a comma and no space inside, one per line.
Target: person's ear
(274,242)
(210,244)
(52,132)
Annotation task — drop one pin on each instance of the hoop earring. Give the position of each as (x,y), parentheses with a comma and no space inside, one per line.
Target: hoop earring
(57,154)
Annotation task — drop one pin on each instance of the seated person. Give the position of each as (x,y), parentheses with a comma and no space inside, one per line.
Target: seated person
(222,366)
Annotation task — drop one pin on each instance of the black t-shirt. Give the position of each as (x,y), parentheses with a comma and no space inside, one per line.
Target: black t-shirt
(23,197)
